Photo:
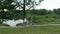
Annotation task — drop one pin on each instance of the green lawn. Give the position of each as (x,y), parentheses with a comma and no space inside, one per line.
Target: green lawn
(32,30)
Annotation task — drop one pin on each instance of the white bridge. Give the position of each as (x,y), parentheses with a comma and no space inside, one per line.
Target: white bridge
(13,23)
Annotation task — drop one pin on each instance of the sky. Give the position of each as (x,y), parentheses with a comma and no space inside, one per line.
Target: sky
(49,4)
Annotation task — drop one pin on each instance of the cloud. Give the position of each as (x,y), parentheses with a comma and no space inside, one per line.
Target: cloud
(49,4)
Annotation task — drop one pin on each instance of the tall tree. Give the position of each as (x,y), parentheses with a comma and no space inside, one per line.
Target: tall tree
(5,4)
(21,4)
(26,4)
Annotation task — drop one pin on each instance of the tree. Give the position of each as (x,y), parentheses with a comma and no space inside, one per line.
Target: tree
(49,11)
(6,4)
(10,5)
(26,4)
(57,11)
(39,12)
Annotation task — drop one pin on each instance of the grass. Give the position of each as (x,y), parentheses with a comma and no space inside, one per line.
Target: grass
(31,30)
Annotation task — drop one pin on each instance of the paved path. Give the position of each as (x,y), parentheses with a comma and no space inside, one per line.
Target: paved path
(48,25)
(31,26)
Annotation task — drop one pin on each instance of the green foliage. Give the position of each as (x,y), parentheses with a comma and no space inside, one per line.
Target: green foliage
(6,4)
(39,16)
(43,19)
(1,24)
(50,19)
(57,11)
(49,12)
(39,12)
(10,5)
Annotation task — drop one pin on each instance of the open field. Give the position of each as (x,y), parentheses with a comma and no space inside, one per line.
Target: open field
(32,30)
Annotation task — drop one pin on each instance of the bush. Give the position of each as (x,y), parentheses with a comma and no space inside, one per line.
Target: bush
(50,19)
(42,19)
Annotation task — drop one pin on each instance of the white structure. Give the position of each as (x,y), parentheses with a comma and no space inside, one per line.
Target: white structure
(13,23)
